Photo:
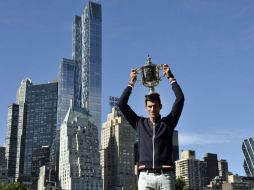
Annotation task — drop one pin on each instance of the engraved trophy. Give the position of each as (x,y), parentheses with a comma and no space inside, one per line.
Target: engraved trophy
(150,74)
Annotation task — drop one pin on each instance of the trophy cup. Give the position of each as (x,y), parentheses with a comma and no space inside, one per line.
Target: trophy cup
(150,74)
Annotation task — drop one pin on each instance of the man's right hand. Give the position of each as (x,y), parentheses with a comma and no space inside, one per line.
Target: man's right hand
(133,76)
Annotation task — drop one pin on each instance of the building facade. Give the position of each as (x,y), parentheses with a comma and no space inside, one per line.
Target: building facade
(41,102)
(212,166)
(236,182)
(40,157)
(86,53)
(191,170)
(16,126)
(3,166)
(117,152)
(79,166)
(223,169)
(65,95)
(248,152)
(21,101)
(47,179)
(65,89)
(11,139)
(175,146)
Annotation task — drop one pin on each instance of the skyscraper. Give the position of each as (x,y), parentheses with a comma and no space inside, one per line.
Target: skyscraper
(86,53)
(65,88)
(11,139)
(248,152)
(16,126)
(175,146)
(79,166)
(21,101)
(65,95)
(41,101)
(117,152)
(212,166)
(79,155)
(31,124)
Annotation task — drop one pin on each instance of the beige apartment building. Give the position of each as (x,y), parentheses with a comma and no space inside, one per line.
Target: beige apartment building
(191,170)
(117,152)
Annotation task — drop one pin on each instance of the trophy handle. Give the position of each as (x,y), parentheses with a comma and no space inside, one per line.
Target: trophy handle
(138,70)
(160,67)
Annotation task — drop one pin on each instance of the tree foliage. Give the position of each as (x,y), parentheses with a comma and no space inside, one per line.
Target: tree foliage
(180,184)
(13,186)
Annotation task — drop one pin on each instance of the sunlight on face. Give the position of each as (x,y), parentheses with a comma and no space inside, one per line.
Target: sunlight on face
(153,109)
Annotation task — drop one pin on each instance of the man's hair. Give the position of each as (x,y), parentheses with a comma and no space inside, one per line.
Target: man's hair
(153,97)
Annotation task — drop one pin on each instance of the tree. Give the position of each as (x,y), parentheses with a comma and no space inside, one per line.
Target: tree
(180,184)
(13,186)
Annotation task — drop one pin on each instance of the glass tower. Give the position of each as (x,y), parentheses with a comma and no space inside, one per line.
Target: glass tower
(86,53)
(65,95)
(41,101)
(65,89)
(248,152)
(11,139)
(175,146)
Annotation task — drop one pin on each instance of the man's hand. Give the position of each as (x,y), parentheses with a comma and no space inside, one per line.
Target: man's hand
(133,77)
(167,72)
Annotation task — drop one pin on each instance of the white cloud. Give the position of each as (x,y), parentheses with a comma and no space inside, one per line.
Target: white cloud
(209,138)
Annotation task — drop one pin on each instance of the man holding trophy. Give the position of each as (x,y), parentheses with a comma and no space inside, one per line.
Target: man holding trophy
(155,133)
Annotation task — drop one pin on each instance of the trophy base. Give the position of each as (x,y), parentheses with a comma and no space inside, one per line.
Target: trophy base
(151,90)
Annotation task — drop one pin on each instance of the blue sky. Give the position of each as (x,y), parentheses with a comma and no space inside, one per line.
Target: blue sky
(208,44)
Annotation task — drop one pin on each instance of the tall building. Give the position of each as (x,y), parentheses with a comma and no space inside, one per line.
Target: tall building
(80,80)
(117,152)
(86,53)
(65,89)
(11,139)
(16,125)
(223,169)
(175,146)
(191,170)
(248,152)
(212,166)
(65,95)
(21,101)
(79,166)
(41,102)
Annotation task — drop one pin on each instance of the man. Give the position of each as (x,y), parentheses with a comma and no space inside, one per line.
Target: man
(155,135)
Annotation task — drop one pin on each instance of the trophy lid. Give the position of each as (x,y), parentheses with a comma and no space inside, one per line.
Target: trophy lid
(148,60)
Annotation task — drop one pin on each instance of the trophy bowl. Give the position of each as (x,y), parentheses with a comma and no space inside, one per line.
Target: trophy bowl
(150,74)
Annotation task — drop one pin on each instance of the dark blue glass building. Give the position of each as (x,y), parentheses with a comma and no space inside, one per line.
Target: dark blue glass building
(248,152)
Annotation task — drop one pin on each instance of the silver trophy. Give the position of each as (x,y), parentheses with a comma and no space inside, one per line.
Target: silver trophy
(150,74)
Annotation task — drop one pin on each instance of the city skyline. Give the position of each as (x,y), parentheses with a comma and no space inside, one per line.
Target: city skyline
(209,46)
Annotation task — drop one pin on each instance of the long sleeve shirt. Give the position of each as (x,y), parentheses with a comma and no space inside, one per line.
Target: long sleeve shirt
(155,140)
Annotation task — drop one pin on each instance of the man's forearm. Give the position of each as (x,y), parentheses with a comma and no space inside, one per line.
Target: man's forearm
(128,113)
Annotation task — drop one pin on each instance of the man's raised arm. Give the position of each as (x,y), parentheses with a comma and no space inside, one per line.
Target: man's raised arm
(128,113)
(177,107)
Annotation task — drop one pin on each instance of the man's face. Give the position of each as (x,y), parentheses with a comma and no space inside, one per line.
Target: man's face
(153,109)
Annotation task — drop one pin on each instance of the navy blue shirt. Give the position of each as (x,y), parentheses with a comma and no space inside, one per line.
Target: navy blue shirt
(155,140)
